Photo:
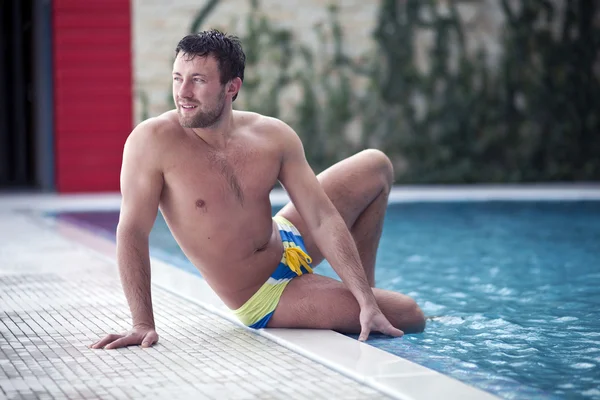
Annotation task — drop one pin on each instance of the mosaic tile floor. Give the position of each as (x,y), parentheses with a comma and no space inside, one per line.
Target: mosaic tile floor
(57,297)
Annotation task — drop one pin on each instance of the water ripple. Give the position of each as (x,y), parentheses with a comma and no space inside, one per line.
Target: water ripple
(583,366)
(519,298)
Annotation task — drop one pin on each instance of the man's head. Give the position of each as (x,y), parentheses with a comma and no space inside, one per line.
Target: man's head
(208,70)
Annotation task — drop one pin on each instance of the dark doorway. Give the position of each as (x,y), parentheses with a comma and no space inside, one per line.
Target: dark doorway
(23,90)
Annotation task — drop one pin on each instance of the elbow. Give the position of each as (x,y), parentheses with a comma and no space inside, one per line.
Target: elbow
(329,216)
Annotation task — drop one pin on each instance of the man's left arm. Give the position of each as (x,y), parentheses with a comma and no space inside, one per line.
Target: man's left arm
(329,231)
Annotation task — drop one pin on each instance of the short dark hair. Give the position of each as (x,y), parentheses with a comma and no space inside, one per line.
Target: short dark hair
(227,49)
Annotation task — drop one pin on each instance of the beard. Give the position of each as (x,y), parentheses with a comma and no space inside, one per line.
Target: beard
(203,118)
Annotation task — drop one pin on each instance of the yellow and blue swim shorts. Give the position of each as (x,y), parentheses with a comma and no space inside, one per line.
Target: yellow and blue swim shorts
(257,311)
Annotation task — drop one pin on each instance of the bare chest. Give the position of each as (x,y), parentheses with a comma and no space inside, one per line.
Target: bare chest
(210,181)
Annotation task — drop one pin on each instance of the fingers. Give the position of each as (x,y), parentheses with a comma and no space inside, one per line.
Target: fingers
(114,341)
(123,342)
(149,339)
(386,328)
(391,331)
(107,339)
(364,334)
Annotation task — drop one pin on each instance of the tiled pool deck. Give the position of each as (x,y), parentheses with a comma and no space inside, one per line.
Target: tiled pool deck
(59,292)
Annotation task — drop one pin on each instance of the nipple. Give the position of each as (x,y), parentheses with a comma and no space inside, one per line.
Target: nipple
(201,204)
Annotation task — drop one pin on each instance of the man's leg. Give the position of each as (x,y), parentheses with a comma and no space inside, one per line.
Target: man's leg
(318,302)
(358,187)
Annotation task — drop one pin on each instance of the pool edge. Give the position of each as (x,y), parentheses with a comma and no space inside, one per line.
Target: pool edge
(398,194)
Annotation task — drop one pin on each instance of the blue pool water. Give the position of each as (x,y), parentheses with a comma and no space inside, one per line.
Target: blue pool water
(514,288)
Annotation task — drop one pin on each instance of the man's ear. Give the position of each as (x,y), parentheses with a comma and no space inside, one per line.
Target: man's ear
(234,86)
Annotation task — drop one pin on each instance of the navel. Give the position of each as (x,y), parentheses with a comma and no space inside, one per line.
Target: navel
(261,248)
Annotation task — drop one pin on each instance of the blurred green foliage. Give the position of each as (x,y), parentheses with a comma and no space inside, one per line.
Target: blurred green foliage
(533,116)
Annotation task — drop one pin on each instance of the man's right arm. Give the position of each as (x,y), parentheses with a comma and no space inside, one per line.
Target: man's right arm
(141,186)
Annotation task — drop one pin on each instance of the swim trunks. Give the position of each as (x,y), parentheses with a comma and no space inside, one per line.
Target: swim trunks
(259,309)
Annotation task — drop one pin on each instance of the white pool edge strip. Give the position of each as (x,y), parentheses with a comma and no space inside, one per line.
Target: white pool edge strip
(495,193)
(399,194)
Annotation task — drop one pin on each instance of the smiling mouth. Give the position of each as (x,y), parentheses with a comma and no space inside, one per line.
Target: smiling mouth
(188,107)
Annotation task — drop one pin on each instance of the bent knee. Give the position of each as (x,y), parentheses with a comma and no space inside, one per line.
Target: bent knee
(417,318)
(411,318)
(382,164)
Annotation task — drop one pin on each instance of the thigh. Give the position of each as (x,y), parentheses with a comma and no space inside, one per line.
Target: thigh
(318,302)
(351,185)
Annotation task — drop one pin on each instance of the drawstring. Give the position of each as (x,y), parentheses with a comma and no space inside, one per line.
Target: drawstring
(296,257)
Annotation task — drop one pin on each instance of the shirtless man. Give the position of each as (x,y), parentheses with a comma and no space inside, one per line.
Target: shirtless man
(210,169)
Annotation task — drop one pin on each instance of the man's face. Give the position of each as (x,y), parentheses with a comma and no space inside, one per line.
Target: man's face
(197,91)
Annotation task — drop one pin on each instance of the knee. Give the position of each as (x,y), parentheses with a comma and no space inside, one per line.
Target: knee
(382,164)
(413,319)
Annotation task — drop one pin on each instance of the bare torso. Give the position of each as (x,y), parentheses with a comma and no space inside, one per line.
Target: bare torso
(216,203)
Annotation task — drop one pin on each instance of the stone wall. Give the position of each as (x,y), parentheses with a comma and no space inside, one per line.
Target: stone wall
(454,91)
(158,26)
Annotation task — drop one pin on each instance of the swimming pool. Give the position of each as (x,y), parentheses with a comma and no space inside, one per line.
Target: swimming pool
(514,286)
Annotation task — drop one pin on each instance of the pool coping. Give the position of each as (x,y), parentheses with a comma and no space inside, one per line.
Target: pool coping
(399,194)
(390,374)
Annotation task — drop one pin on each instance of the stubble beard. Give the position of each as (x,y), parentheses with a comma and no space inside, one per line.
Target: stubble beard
(203,119)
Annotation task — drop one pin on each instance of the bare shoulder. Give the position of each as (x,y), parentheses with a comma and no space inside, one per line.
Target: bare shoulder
(273,129)
(150,140)
(155,130)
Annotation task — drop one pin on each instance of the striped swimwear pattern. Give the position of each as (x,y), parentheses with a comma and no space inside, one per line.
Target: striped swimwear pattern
(257,311)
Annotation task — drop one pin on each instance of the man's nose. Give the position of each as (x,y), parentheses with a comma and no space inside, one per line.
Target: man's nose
(185,90)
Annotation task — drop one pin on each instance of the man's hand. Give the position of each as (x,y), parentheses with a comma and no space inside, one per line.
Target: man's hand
(138,335)
(372,319)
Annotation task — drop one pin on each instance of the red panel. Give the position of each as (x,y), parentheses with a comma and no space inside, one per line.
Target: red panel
(92,92)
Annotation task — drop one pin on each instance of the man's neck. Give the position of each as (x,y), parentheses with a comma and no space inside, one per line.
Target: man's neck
(220,133)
